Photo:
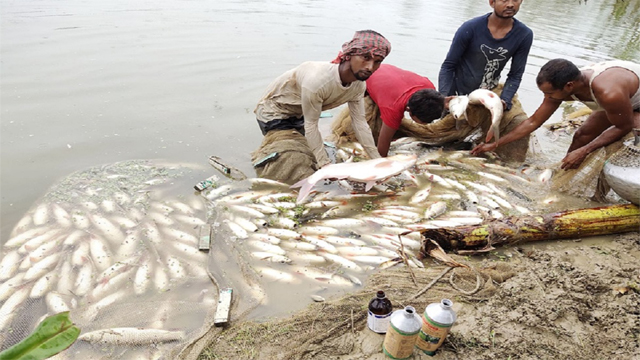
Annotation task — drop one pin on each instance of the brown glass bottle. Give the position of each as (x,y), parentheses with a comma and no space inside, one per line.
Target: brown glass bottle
(379,313)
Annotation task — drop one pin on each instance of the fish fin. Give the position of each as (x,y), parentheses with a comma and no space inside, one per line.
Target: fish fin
(489,134)
(305,189)
(369,185)
(299,183)
(494,132)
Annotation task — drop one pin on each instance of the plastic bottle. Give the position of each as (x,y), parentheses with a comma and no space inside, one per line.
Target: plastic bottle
(402,334)
(206,183)
(379,313)
(436,323)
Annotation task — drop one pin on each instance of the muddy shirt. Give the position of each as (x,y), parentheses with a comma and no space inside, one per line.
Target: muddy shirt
(306,91)
(476,59)
(390,88)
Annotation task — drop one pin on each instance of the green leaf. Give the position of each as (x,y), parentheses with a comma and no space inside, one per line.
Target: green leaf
(54,334)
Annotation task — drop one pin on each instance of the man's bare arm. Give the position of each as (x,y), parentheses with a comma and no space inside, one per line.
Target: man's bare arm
(384,139)
(542,114)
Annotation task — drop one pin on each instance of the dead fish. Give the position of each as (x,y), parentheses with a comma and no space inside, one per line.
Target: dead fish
(421,195)
(368,172)
(132,336)
(236,229)
(545,175)
(436,209)
(491,101)
(264,255)
(458,108)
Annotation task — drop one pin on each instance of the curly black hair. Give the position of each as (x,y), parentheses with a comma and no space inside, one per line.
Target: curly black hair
(426,105)
(558,72)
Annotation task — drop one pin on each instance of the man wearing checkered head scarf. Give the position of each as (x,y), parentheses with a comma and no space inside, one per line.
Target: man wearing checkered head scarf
(364,42)
(296,98)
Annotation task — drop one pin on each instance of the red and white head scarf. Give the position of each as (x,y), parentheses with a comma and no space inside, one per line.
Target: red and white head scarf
(364,42)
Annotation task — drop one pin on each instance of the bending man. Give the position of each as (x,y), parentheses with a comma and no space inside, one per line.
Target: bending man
(395,91)
(296,98)
(611,89)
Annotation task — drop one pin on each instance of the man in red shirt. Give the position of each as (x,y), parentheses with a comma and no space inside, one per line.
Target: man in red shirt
(395,91)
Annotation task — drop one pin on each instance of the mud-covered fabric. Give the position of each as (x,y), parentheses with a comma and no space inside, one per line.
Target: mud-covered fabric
(295,159)
(443,131)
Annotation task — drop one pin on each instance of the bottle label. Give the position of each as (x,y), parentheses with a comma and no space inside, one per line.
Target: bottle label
(431,335)
(378,323)
(399,344)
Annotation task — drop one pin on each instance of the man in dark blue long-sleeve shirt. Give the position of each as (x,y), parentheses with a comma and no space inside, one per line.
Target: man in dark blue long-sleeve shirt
(480,50)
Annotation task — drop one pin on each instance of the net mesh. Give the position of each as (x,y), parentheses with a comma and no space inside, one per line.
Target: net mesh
(442,131)
(322,331)
(587,180)
(627,156)
(116,246)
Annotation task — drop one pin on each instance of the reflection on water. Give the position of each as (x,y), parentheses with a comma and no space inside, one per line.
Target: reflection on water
(92,83)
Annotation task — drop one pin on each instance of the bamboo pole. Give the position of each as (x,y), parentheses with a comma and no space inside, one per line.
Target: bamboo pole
(568,224)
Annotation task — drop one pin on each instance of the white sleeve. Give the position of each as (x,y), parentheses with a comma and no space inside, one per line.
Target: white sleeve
(311,109)
(361,128)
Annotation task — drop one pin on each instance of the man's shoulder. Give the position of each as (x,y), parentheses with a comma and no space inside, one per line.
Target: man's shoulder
(522,26)
(315,73)
(386,70)
(313,65)
(476,21)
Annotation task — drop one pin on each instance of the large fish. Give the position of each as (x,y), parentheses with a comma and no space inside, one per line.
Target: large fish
(491,101)
(458,108)
(368,172)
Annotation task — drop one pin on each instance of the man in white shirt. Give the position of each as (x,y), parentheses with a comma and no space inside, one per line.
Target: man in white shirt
(296,98)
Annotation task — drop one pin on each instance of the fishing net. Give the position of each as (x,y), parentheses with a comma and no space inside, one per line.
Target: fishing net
(627,156)
(622,170)
(331,328)
(117,246)
(587,181)
(443,131)
(294,162)
(135,220)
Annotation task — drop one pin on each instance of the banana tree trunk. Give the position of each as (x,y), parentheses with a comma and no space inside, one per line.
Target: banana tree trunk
(569,224)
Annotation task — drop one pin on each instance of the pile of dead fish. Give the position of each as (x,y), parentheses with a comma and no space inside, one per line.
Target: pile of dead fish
(110,235)
(98,238)
(339,233)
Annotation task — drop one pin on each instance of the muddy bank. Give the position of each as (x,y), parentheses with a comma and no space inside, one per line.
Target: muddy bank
(572,299)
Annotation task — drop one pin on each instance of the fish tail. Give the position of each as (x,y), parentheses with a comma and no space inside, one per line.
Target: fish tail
(305,188)
(490,134)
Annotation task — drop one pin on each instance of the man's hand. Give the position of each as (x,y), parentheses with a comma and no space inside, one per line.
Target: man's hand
(484,147)
(574,159)
(447,99)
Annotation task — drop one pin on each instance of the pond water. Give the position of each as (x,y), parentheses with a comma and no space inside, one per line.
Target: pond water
(89,83)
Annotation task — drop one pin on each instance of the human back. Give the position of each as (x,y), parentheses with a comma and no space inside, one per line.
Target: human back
(286,95)
(390,88)
(624,71)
